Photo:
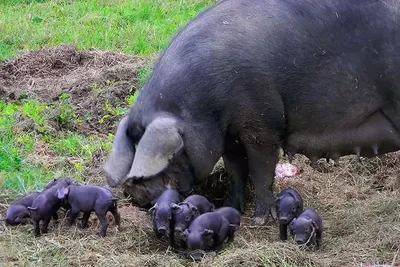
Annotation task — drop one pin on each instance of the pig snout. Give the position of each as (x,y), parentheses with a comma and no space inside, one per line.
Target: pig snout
(180,228)
(162,230)
(300,240)
(196,256)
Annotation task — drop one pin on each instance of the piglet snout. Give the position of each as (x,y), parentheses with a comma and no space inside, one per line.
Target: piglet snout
(162,230)
(196,256)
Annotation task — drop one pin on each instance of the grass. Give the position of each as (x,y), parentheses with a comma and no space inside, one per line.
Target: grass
(41,139)
(140,27)
(31,154)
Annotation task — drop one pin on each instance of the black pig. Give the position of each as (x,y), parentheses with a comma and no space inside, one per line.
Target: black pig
(289,206)
(162,214)
(233,217)
(64,180)
(246,78)
(207,232)
(45,206)
(18,211)
(185,212)
(307,228)
(88,198)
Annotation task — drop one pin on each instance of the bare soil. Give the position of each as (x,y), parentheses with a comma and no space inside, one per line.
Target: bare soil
(91,78)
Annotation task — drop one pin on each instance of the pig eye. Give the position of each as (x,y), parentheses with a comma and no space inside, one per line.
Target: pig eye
(187,218)
(307,229)
(294,209)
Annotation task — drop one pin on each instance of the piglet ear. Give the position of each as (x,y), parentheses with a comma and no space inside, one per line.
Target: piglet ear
(175,208)
(62,192)
(153,208)
(193,208)
(207,232)
(314,224)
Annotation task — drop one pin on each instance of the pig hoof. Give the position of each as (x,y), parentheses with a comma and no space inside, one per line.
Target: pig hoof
(259,221)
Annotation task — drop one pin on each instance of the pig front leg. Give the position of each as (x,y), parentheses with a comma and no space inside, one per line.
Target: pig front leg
(55,216)
(72,216)
(85,219)
(236,166)
(283,232)
(262,158)
(318,239)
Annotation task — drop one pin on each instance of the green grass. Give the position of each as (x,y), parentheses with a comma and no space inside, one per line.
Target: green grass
(132,26)
(30,158)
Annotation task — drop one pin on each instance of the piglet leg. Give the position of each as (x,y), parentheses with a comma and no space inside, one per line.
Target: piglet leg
(85,219)
(72,216)
(117,216)
(36,227)
(45,224)
(104,223)
(283,231)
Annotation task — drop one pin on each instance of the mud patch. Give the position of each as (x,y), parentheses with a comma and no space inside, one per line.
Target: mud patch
(91,87)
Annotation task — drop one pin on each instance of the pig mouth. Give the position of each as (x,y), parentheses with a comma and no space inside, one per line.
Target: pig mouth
(144,191)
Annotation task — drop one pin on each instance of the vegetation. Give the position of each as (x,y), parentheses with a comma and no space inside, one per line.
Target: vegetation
(59,107)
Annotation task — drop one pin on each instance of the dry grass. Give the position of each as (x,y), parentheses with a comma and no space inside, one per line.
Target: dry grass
(359,204)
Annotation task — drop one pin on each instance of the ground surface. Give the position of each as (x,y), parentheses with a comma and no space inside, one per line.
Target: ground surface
(59,107)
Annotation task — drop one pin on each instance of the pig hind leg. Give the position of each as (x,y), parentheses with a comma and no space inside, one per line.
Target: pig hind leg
(45,224)
(261,150)
(36,227)
(103,222)
(237,169)
(117,217)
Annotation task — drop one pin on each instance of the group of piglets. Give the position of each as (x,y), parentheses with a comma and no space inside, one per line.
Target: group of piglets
(194,223)
(305,224)
(41,206)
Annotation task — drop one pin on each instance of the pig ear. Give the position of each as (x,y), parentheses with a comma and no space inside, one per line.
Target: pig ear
(193,208)
(175,208)
(314,224)
(123,150)
(153,208)
(207,232)
(159,144)
(60,193)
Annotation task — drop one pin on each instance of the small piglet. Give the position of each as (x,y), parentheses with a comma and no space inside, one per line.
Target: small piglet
(233,217)
(206,232)
(307,228)
(289,206)
(162,214)
(88,198)
(46,205)
(62,180)
(185,212)
(18,212)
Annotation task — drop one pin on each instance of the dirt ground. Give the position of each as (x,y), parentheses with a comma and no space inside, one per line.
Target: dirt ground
(359,202)
(91,78)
